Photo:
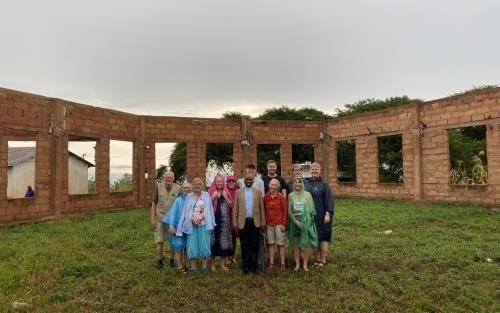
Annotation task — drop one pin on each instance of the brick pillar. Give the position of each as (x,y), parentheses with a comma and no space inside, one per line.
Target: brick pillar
(43,170)
(138,165)
(196,163)
(3,168)
(367,161)
(237,160)
(249,155)
(58,161)
(325,155)
(493,156)
(150,168)
(417,132)
(60,170)
(286,160)
(249,150)
(318,153)
(102,166)
(330,172)
(138,170)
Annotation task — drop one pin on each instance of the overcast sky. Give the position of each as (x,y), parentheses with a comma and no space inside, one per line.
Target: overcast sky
(206,57)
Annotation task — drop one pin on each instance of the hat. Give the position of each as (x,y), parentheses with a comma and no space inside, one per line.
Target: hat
(250,165)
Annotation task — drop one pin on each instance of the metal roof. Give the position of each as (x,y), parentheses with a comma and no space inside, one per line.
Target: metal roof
(21,154)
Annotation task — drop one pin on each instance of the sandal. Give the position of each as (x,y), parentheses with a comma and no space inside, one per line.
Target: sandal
(184,270)
(282,268)
(320,264)
(270,266)
(315,264)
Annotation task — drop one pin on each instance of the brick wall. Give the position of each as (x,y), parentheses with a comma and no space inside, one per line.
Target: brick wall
(424,129)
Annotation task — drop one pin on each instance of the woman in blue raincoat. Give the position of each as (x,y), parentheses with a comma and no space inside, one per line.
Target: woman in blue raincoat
(197,222)
(172,218)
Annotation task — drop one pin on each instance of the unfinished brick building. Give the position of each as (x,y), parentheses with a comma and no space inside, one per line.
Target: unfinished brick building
(424,129)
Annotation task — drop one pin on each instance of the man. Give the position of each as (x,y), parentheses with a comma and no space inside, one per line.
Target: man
(257,182)
(271,173)
(296,172)
(165,194)
(248,217)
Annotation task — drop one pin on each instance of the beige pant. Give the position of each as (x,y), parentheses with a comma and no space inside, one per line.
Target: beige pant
(160,231)
(275,235)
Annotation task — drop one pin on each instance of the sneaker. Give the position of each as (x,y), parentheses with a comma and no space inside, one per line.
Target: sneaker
(159,265)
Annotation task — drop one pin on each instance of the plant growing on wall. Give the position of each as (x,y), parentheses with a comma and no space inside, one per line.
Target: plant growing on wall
(468,161)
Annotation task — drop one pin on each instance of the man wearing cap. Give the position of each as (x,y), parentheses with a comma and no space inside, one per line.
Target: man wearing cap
(257,181)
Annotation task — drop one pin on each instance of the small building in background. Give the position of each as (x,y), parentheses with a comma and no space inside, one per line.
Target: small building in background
(21,172)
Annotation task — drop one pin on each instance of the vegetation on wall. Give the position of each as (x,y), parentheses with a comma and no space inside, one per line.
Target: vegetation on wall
(390,159)
(468,160)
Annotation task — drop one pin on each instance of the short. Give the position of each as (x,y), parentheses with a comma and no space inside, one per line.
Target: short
(275,235)
(160,231)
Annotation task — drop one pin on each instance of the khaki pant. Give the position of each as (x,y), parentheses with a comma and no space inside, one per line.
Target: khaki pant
(275,235)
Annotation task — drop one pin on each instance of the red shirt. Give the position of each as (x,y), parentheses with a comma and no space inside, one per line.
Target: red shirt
(276,210)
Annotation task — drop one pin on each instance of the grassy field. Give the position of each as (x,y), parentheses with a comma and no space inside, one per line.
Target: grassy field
(435,260)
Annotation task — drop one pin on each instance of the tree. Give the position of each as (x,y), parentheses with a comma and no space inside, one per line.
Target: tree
(177,162)
(232,115)
(368,105)
(390,159)
(286,113)
(219,154)
(159,172)
(91,185)
(346,160)
(122,184)
(468,161)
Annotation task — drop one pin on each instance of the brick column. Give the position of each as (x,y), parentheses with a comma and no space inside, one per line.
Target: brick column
(493,156)
(43,168)
(3,168)
(196,163)
(150,168)
(58,161)
(139,166)
(330,172)
(249,155)
(417,155)
(318,153)
(367,161)
(237,160)
(286,160)
(102,166)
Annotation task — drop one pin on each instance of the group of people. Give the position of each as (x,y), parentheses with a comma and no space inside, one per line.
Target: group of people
(262,212)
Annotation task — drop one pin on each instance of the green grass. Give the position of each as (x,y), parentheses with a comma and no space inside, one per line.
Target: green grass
(434,261)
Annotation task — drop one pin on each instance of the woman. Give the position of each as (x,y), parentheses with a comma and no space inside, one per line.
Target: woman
(301,228)
(323,203)
(222,239)
(232,186)
(197,223)
(276,219)
(172,218)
